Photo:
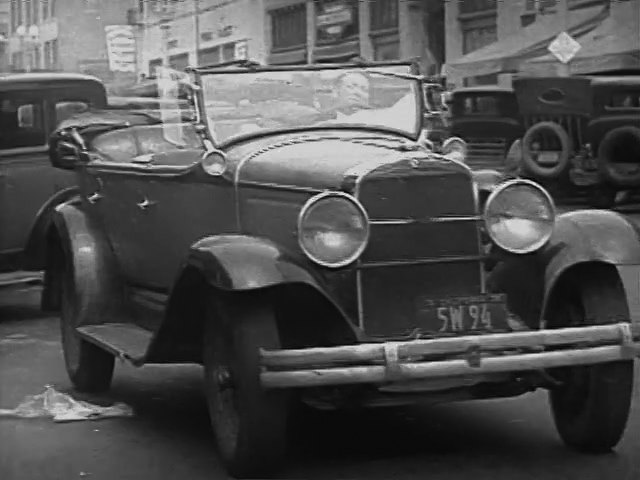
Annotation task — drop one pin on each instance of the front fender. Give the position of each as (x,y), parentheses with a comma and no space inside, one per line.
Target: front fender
(99,292)
(580,237)
(595,236)
(240,262)
(36,248)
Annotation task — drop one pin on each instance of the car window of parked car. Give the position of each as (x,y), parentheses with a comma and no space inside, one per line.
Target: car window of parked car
(22,120)
(624,100)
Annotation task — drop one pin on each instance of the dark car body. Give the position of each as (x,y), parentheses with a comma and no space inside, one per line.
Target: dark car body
(585,135)
(339,264)
(31,106)
(487,118)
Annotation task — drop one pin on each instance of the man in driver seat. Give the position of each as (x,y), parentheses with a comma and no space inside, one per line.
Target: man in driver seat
(353,93)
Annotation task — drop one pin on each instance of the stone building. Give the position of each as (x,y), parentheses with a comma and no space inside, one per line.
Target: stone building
(205,32)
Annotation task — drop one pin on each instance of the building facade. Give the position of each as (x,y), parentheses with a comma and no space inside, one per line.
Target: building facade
(178,33)
(65,35)
(476,24)
(4,35)
(181,33)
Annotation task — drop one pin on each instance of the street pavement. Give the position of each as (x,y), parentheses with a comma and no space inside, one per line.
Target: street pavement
(169,436)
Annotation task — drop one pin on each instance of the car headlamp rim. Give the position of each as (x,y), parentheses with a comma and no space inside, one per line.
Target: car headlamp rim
(321,197)
(510,184)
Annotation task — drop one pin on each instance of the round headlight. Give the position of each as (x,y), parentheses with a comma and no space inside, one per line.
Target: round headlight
(519,216)
(333,229)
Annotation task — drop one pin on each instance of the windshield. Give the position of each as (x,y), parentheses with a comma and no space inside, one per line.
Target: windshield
(240,103)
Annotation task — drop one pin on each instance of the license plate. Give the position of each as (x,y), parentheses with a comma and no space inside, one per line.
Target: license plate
(548,158)
(482,313)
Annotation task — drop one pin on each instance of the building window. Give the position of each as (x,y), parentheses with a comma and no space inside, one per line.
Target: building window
(54,53)
(384,15)
(476,6)
(52,7)
(13,7)
(336,20)
(22,120)
(288,27)
(527,19)
(476,35)
(36,11)
(37,54)
(209,56)
(153,64)
(27,12)
(16,60)
(45,9)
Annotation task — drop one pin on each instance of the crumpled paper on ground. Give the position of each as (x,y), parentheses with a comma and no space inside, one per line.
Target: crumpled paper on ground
(63,408)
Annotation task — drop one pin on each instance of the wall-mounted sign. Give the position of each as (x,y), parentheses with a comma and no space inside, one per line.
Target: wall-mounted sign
(336,19)
(241,50)
(121,48)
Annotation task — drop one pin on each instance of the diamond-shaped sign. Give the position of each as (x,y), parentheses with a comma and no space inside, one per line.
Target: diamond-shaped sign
(564,47)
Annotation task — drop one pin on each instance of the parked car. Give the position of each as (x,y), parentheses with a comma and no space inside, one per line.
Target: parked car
(31,105)
(487,119)
(335,260)
(582,138)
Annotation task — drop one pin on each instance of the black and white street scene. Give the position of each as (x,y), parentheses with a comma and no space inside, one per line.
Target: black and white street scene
(319,239)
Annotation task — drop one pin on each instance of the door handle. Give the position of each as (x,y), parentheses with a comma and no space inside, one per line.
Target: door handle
(146,203)
(94,197)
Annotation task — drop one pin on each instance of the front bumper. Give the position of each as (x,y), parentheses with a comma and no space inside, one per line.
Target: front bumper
(378,363)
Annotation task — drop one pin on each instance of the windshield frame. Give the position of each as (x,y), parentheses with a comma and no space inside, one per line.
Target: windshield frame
(243,67)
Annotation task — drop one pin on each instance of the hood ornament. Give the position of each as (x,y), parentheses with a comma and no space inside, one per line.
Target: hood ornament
(414,162)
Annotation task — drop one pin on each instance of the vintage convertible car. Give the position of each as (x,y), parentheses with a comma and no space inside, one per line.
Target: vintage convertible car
(582,139)
(31,105)
(332,259)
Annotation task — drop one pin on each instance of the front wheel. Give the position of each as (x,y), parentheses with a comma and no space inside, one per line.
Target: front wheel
(89,367)
(591,406)
(249,422)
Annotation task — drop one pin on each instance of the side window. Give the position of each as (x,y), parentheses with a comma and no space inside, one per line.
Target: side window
(22,121)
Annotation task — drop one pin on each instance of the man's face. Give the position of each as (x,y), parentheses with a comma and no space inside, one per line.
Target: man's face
(354,90)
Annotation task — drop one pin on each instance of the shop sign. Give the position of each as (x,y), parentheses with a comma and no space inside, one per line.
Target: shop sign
(334,18)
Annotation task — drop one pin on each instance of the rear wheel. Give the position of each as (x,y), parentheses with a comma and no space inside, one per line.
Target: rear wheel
(591,406)
(249,422)
(89,367)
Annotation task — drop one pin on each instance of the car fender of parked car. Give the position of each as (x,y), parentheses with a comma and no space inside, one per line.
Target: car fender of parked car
(582,241)
(36,249)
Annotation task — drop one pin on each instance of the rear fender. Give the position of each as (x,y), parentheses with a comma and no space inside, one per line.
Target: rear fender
(36,248)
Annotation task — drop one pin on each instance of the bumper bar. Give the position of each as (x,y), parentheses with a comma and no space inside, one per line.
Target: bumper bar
(478,354)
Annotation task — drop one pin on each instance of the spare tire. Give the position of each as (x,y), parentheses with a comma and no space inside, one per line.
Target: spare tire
(529,159)
(619,156)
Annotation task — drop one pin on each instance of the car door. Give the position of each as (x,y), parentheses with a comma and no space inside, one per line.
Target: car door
(27,178)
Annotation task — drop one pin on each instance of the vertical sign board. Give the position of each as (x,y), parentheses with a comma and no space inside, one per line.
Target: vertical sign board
(121,48)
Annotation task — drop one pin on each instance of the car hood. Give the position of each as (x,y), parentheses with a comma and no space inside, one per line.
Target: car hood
(332,160)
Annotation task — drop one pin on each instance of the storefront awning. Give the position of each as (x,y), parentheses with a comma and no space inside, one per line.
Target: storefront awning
(507,54)
(613,45)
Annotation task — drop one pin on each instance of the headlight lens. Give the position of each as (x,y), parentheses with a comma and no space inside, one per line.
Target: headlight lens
(333,229)
(519,216)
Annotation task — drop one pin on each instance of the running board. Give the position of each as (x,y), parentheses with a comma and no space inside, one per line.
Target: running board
(126,341)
